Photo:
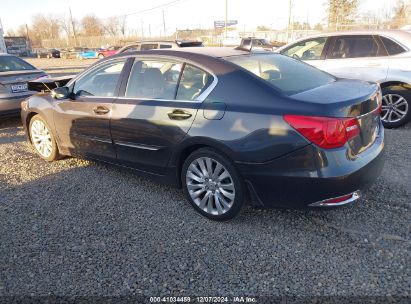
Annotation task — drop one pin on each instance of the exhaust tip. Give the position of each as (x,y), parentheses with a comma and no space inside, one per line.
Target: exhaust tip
(338,201)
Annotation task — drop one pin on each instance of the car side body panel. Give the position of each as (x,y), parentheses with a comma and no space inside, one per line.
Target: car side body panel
(242,119)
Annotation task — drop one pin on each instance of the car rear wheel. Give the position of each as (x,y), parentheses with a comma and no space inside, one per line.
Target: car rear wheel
(43,139)
(212,185)
(100,56)
(395,106)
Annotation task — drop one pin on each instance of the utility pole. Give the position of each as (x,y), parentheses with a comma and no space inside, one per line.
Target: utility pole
(289,20)
(142,29)
(226,18)
(3,48)
(164,25)
(74,28)
(149,29)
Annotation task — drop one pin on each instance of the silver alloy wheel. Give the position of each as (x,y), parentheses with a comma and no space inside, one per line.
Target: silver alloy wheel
(41,138)
(210,186)
(394,108)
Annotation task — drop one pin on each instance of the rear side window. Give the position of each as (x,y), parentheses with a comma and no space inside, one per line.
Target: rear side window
(287,75)
(354,47)
(165,46)
(193,83)
(11,63)
(153,79)
(392,47)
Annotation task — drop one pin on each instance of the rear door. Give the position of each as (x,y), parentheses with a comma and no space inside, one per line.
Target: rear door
(158,106)
(357,57)
(83,121)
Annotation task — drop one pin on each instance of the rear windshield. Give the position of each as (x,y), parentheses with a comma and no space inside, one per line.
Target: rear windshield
(287,75)
(11,63)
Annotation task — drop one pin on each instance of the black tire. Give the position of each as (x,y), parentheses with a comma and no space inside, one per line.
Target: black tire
(55,154)
(236,203)
(397,91)
(100,56)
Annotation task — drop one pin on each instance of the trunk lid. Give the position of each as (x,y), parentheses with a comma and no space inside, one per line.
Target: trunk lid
(16,81)
(348,98)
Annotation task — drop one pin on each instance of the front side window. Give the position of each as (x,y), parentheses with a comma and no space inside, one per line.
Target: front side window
(153,79)
(193,83)
(165,46)
(354,47)
(11,63)
(307,50)
(287,75)
(392,47)
(101,81)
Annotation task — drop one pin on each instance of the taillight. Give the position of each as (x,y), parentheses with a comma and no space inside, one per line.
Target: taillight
(325,132)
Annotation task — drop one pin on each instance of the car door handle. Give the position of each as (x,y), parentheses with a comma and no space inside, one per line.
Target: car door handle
(372,64)
(179,115)
(100,110)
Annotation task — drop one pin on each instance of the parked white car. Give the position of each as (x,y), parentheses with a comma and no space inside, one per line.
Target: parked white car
(382,56)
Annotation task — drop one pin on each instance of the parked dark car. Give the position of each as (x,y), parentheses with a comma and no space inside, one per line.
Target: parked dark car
(48,53)
(166,44)
(224,124)
(14,75)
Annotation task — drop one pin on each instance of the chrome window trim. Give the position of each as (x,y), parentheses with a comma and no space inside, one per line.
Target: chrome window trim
(199,98)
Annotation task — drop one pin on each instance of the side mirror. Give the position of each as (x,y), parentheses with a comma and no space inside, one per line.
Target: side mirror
(60,93)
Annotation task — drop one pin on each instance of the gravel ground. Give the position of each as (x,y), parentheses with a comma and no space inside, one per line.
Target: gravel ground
(77,228)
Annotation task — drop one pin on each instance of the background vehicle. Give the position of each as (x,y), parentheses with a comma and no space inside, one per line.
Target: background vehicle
(256,44)
(220,122)
(89,54)
(71,53)
(379,56)
(47,53)
(14,75)
(112,50)
(149,45)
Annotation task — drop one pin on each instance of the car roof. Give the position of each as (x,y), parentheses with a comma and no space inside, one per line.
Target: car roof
(216,52)
(400,36)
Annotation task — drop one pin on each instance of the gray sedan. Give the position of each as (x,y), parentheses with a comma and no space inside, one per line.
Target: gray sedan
(14,75)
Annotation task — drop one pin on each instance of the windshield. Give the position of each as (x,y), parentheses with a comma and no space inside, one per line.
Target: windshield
(11,63)
(287,75)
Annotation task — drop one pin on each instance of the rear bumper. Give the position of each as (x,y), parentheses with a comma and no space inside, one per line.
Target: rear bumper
(305,178)
(10,105)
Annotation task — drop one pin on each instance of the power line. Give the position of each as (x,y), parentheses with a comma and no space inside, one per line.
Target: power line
(155,7)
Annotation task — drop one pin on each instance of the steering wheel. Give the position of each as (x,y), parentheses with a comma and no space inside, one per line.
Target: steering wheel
(295,56)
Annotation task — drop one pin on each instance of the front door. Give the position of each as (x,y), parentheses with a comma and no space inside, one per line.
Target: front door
(159,105)
(312,51)
(83,121)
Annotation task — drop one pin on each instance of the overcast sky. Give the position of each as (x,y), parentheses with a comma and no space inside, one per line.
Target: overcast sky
(185,14)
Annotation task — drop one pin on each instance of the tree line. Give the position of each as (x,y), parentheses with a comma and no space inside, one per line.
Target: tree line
(55,27)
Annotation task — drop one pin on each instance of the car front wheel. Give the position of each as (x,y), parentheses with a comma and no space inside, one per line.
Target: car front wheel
(212,185)
(42,139)
(395,106)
